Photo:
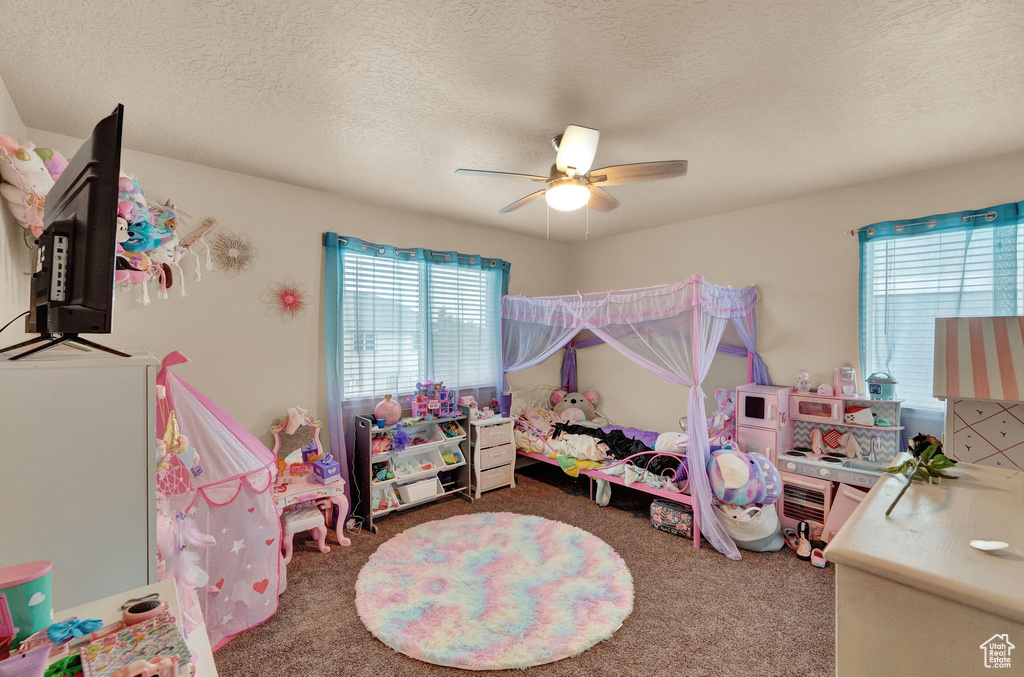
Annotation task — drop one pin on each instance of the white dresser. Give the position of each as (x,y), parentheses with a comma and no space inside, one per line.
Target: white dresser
(493,452)
(912,596)
(77,470)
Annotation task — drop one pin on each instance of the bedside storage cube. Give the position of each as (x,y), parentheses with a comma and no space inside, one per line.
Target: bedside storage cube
(493,454)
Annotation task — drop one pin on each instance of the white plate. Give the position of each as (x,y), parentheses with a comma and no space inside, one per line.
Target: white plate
(989,545)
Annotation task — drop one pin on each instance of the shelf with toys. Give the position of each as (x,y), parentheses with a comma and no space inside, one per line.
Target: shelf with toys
(405,461)
(868,422)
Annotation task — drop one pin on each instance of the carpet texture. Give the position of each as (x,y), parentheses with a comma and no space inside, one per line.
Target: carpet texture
(695,613)
(493,591)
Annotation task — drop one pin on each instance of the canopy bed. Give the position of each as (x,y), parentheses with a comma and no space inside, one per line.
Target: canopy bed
(672,331)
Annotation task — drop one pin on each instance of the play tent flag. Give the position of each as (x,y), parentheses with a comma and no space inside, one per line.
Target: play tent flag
(215,485)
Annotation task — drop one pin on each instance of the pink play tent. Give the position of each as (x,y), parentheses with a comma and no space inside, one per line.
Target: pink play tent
(235,580)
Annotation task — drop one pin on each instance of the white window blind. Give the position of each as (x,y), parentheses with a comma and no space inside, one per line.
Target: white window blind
(408,321)
(908,282)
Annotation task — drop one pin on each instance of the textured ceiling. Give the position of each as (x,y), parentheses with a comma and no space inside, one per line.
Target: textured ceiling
(382,101)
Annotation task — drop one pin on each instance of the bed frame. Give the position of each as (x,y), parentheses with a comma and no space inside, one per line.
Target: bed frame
(540,396)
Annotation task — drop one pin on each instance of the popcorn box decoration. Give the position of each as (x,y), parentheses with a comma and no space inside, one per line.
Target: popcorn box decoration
(326,470)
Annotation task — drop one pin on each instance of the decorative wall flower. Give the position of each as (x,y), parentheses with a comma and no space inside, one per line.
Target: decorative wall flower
(233,253)
(287,299)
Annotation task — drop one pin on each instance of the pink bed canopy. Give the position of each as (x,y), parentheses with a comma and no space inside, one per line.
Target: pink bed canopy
(672,331)
(218,533)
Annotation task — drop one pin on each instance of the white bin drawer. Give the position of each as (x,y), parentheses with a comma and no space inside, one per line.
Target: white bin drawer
(500,455)
(495,477)
(418,491)
(492,435)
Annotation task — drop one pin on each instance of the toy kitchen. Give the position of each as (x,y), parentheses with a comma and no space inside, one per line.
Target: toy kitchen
(830,446)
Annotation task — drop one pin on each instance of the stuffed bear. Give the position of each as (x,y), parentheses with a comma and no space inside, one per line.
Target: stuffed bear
(722,423)
(577,408)
(28,174)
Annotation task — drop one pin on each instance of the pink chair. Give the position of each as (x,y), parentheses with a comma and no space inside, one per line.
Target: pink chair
(305,518)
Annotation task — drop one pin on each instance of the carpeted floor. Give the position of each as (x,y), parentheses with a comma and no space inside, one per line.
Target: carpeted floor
(696,613)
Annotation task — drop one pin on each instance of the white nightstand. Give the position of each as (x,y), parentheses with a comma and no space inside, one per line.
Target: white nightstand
(493,453)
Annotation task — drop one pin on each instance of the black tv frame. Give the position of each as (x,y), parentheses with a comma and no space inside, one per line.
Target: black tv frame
(72,290)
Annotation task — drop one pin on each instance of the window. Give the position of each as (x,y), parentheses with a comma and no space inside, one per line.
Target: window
(953,266)
(406,320)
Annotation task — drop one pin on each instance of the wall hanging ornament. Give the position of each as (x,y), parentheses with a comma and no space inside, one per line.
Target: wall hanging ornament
(233,253)
(287,299)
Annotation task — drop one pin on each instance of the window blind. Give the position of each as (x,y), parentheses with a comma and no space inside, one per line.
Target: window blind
(406,320)
(907,282)
(383,328)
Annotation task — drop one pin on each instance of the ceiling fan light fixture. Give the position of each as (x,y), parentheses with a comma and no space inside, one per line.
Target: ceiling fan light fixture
(566,195)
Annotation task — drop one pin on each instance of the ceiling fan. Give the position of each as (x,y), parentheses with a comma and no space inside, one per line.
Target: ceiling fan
(572,184)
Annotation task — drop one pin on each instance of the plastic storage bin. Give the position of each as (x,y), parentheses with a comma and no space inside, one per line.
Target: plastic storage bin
(421,490)
(429,433)
(381,495)
(416,463)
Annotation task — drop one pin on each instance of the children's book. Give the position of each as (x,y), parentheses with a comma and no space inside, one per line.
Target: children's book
(158,636)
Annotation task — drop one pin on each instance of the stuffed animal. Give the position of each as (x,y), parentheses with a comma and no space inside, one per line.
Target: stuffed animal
(920,442)
(722,423)
(736,478)
(27,178)
(577,407)
(143,234)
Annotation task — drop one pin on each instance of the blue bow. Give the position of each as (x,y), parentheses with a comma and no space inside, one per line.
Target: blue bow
(65,630)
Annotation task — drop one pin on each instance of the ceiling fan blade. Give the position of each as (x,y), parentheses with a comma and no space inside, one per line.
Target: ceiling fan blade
(641,171)
(602,200)
(509,175)
(577,149)
(522,201)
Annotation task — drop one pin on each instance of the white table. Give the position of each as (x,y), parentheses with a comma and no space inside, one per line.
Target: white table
(108,610)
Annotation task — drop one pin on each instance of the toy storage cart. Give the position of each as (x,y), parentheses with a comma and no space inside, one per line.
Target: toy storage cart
(422,473)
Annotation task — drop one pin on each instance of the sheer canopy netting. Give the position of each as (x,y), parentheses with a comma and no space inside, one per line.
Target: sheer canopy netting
(672,331)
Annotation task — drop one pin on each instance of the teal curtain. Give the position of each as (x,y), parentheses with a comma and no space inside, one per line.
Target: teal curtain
(960,264)
(338,249)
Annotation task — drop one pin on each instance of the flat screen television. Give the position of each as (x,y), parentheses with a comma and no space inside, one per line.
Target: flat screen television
(72,290)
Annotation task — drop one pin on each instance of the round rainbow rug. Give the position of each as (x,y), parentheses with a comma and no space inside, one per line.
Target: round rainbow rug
(494,590)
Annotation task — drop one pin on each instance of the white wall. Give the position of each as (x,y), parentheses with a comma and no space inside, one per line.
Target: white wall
(803,260)
(253,365)
(15,258)
(798,253)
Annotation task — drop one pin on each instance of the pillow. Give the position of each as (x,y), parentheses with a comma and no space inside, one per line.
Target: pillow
(541,419)
(670,442)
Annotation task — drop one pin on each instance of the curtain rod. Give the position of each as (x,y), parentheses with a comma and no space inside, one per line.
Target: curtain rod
(930,223)
(471,258)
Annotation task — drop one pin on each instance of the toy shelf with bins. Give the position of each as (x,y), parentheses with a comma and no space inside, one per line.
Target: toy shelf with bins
(421,474)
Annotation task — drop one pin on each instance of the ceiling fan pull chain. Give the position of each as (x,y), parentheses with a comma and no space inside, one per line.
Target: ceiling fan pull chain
(587,235)
(549,221)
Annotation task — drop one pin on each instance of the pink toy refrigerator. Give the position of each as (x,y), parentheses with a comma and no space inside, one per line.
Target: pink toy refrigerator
(762,420)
